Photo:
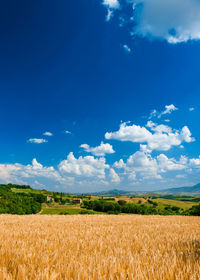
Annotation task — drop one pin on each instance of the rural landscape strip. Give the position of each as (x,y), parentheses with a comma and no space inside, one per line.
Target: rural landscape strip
(24,200)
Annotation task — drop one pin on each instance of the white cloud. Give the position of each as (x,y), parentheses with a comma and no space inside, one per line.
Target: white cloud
(100,150)
(89,172)
(145,149)
(67,132)
(127,48)
(195,162)
(168,110)
(37,140)
(109,15)
(132,176)
(84,166)
(83,172)
(173,20)
(111,5)
(133,133)
(141,166)
(191,109)
(47,133)
(119,164)
(18,173)
(153,114)
(159,137)
(114,176)
(165,164)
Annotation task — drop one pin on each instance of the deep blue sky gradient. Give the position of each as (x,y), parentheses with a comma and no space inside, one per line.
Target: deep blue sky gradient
(63,67)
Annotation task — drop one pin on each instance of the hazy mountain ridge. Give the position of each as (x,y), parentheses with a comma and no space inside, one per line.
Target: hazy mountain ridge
(194,189)
(115,192)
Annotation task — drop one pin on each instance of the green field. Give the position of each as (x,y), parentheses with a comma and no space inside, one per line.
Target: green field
(182,204)
(66,211)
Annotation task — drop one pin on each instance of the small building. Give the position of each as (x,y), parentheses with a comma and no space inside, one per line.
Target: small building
(50,199)
(77,200)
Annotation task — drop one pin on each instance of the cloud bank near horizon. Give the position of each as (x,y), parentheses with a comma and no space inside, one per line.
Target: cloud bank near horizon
(147,166)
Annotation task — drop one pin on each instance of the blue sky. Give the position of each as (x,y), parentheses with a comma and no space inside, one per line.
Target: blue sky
(99,94)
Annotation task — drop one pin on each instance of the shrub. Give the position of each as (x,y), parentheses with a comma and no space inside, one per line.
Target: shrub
(121,202)
(195,210)
(63,213)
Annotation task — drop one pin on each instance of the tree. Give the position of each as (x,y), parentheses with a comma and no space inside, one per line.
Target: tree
(121,202)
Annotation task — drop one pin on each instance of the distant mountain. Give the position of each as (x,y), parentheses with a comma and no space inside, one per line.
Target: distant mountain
(181,190)
(114,192)
(193,190)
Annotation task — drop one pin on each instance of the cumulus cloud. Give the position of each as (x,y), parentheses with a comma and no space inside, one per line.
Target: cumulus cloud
(111,5)
(165,164)
(84,166)
(175,21)
(73,172)
(47,133)
(94,172)
(191,109)
(37,140)
(100,150)
(195,162)
(114,176)
(19,173)
(119,164)
(157,137)
(142,165)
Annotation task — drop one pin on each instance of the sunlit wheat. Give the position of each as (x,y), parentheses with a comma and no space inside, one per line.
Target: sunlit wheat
(99,247)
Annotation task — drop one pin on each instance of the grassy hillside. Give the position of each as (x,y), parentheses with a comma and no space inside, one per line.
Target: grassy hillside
(182,204)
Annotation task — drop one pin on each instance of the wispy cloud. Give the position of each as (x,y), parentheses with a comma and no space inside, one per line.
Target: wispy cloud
(67,132)
(111,5)
(168,110)
(127,48)
(37,140)
(47,133)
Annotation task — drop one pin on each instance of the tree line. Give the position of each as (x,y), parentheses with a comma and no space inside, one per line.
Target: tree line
(143,209)
(19,203)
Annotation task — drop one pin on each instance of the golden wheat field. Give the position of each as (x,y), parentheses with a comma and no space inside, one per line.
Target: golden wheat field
(99,247)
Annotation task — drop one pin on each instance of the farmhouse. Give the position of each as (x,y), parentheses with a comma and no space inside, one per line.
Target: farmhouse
(77,200)
(50,199)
